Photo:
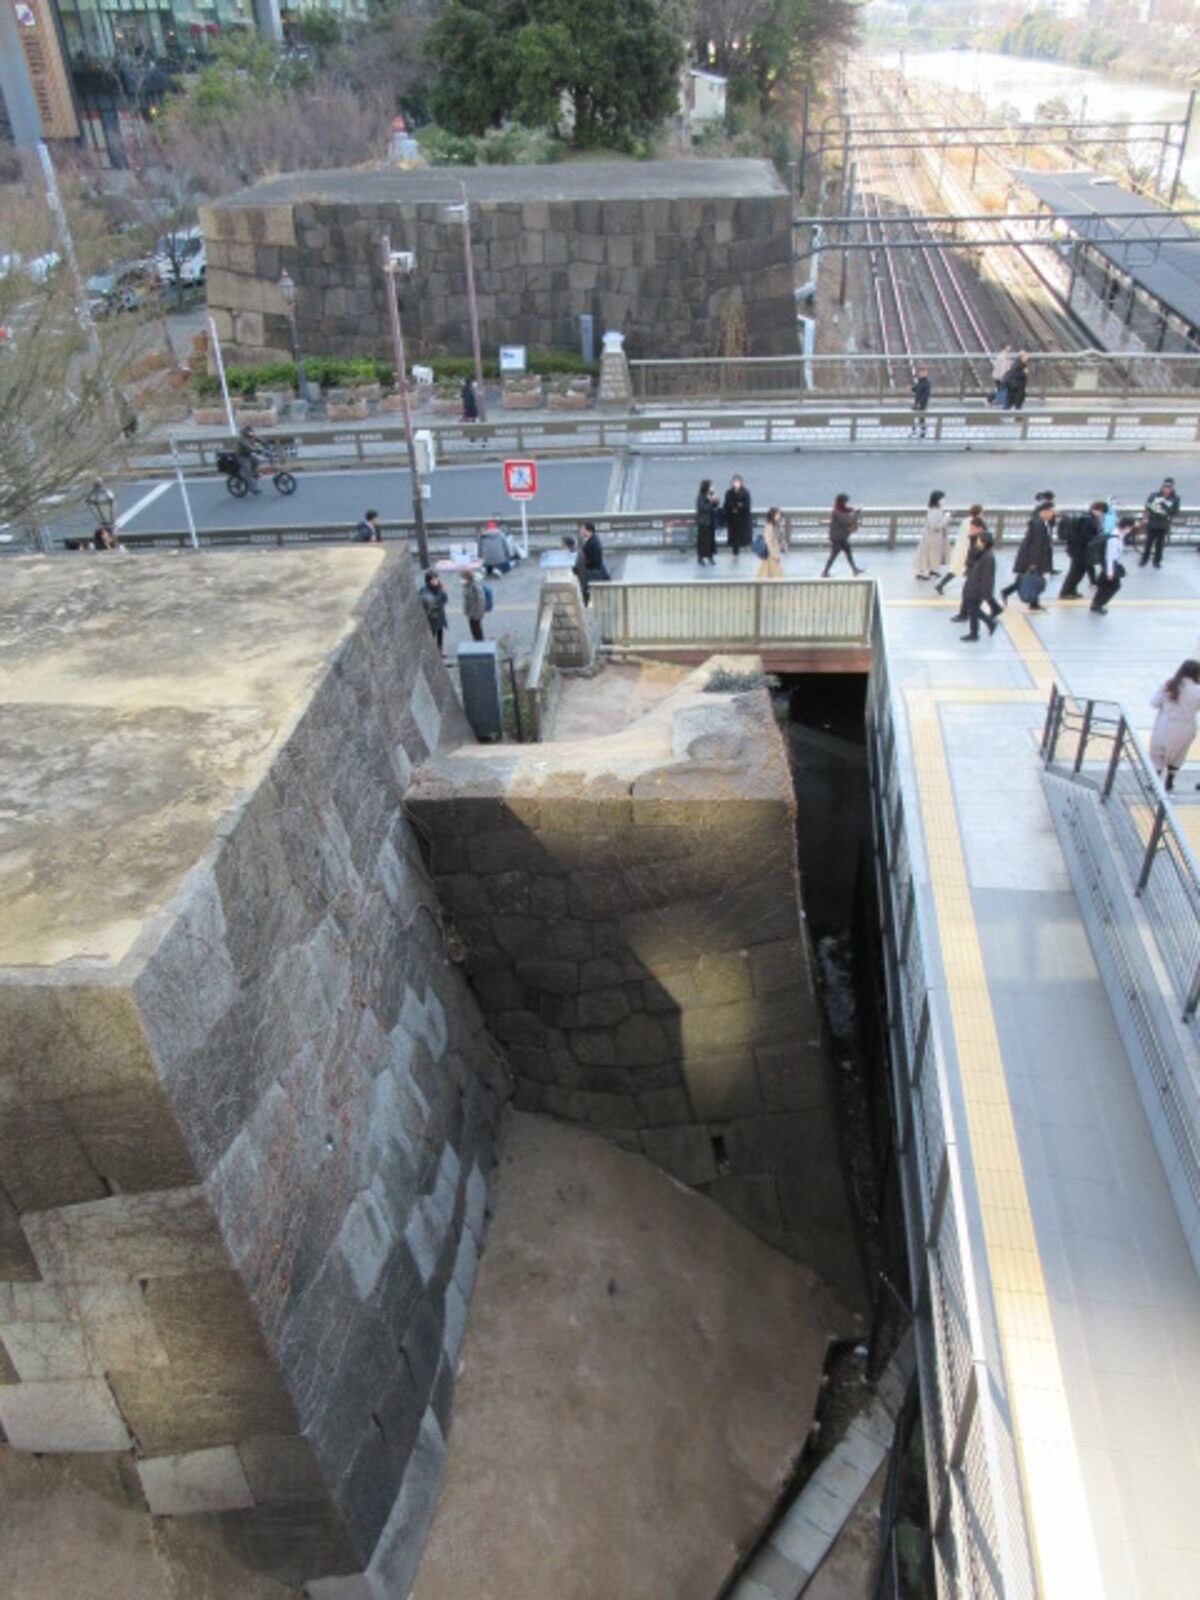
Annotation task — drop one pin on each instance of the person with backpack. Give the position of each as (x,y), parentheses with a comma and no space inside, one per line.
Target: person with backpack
(475,603)
(1112,570)
(1177,703)
(1084,538)
(492,549)
(1162,508)
(1034,559)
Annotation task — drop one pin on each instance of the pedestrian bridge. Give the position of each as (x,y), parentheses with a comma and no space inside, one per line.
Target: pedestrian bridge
(1041,935)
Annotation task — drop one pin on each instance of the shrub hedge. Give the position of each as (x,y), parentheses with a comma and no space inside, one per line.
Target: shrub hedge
(334,372)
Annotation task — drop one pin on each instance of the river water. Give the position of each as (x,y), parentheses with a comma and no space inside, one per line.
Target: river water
(1014,82)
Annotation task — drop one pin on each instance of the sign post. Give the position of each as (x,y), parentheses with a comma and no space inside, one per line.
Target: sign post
(520,483)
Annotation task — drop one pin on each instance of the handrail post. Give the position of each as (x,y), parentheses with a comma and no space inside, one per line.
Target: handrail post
(1193,999)
(1085,733)
(1156,832)
(1050,727)
(1115,759)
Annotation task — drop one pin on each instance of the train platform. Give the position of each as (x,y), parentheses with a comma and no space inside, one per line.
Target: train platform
(1093,1286)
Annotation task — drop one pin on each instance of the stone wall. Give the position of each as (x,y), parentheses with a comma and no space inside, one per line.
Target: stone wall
(662,251)
(631,912)
(245,1165)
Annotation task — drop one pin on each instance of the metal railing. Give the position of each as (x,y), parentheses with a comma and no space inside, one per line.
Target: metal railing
(805,529)
(979,1531)
(1053,375)
(1093,739)
(738,615)
(954,418)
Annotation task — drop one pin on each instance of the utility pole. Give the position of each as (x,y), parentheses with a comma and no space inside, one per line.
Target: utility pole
(402,261)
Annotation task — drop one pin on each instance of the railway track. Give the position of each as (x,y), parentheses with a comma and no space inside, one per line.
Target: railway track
(929,299)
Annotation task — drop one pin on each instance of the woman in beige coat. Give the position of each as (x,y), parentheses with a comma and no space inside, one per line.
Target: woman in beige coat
(931,552)
(957,563)
(771,565)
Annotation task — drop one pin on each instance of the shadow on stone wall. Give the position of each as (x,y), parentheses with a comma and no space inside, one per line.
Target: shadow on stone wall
(636,943)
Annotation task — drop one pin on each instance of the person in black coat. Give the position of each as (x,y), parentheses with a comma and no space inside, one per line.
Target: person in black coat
(1035,553)
(979,581)
(1162,508)
(706,524)
(1086,527)
(920,398)
(1016,380)
(738,516)
(593,555)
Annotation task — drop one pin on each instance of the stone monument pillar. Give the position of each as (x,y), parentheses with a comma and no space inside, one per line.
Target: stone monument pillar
(616,388)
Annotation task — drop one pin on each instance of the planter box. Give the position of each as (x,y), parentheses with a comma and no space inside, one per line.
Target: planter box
(523,400)
(259,417)
(209,416)
(347,411)
(369,392)
(574,400)
(447,408)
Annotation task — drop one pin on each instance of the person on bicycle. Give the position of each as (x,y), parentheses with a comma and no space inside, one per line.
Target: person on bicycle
(248,451)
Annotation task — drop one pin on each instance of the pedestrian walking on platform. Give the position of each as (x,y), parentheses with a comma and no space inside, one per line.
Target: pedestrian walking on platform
(593,554)
(957,564)
(1177,703)
(768,546)
(470,401)
(474,598)
(920,397)
(1084,538)
(1112,568)
(1000,366)
(1016,380)
(979,582)
(1162,508)
(434,599)
(934,546)
(706,523)
(1034,559)
(842,523)
(739,519)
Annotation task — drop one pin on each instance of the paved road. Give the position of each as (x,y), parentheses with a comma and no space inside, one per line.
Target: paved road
(326,497)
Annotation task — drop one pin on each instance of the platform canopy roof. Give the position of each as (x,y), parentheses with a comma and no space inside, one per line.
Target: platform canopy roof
(1161,253)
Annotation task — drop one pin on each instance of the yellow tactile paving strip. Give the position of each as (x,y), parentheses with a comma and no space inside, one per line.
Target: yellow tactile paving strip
(1059,1516)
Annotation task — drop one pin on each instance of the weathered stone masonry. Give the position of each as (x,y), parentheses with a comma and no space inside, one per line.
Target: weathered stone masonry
(662,250)
(631,911)
(245,1159)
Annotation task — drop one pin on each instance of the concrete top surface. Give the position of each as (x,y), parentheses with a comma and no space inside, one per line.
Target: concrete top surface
(566,180)
(138,700)
(670,751)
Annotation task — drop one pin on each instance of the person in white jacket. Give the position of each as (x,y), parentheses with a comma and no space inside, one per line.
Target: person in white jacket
(1177,703)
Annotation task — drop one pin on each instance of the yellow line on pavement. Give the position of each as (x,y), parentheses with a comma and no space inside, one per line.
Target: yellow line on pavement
(1060,1521)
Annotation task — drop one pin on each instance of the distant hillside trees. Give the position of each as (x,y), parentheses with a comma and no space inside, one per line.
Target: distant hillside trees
(767,48)
(617,60)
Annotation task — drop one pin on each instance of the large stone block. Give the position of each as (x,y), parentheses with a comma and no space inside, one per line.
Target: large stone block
(73,1415)
(200,1481)
(169,1234)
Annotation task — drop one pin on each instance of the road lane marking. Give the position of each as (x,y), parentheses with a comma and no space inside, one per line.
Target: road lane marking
(146,500)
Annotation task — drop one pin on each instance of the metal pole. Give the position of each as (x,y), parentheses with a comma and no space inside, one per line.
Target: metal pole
(216,345)
(389,272)
(1183,139)
(301,376)
(472,307)
(187,504)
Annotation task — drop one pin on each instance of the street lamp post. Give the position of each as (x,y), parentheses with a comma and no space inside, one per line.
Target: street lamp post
(463,210)
(287,293)
(401,261)
(103,502)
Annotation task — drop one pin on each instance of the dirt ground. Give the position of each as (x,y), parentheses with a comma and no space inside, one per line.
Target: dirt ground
(638,1376)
